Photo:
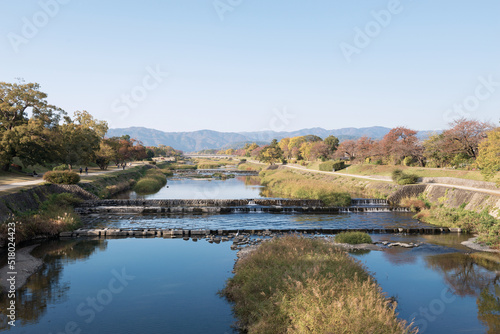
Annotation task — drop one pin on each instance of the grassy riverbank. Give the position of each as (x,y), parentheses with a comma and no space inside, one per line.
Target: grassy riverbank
(54,215)
(333,190)
(484,225)
(152,181)
(106,185)
(301,285)
(385,170)
(286,183)
(250,166)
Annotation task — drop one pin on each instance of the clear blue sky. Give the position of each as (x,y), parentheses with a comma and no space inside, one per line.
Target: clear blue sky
(232,74)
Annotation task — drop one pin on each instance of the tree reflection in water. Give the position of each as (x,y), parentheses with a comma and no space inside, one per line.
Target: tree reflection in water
(45,286)
(477,275)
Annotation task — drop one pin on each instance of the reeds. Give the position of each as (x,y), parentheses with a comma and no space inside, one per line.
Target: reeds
(301,285)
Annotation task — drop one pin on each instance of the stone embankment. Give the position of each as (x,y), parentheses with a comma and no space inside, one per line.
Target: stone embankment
(31,199)
(450,197)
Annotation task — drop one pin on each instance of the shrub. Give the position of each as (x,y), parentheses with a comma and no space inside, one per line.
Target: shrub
(408,161)
(413,203)
(331,165)
(153,180)
(62,177)
(353,238)
(61,167)
(335,198)
(152,162)
(402,178)
(396,174)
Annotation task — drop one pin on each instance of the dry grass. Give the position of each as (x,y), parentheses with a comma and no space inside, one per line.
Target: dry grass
(286,180)
(55,215)
(301,285)
(286,183)
(486,226)
(385,170)
(250,166)
(413,203)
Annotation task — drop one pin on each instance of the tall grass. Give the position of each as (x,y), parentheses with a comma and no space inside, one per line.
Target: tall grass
(153,180)
(211,165)
(287,183)
(249,166)
(55,215)
(485,225)
(353,238)
(301,285)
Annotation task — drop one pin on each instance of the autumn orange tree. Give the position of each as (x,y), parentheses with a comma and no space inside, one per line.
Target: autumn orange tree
(464,137)
(399,143)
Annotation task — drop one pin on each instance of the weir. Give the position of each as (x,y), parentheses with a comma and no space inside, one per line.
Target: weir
(202,233)
(179,206)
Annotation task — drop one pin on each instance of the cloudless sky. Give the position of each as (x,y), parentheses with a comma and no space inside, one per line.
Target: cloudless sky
(250,65)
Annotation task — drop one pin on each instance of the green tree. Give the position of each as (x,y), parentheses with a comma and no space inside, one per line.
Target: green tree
(271,153)
(22,135)
(250,148)
(332,143)
(106,154)
(489,155)
(80,138)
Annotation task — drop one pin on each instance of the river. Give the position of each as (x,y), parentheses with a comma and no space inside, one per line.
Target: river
(156,285)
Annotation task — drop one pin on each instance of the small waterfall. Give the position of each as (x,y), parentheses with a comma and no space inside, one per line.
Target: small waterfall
(368,201)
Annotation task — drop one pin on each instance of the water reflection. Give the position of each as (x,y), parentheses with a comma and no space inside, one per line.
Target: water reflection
(488,304)
(46,286)
(461,272)
(185,188)
(476,275)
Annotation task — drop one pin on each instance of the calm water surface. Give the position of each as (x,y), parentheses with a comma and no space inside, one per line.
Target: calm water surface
(170,285)
(127,286)
(182,188)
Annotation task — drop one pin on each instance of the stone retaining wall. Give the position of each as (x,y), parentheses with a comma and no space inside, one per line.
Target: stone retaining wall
(31,199)
(450,197)
(460,182)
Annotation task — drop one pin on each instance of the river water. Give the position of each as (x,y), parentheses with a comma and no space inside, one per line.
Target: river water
(170,285)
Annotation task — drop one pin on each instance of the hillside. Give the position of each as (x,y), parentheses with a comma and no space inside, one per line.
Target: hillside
(207,139)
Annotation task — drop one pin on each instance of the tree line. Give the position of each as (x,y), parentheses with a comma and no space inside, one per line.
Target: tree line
(464,144)
(36,132)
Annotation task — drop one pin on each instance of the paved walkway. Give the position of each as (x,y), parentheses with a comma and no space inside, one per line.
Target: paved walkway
(37,180)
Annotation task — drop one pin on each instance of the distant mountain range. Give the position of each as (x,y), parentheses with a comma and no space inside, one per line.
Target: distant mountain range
(207,139)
